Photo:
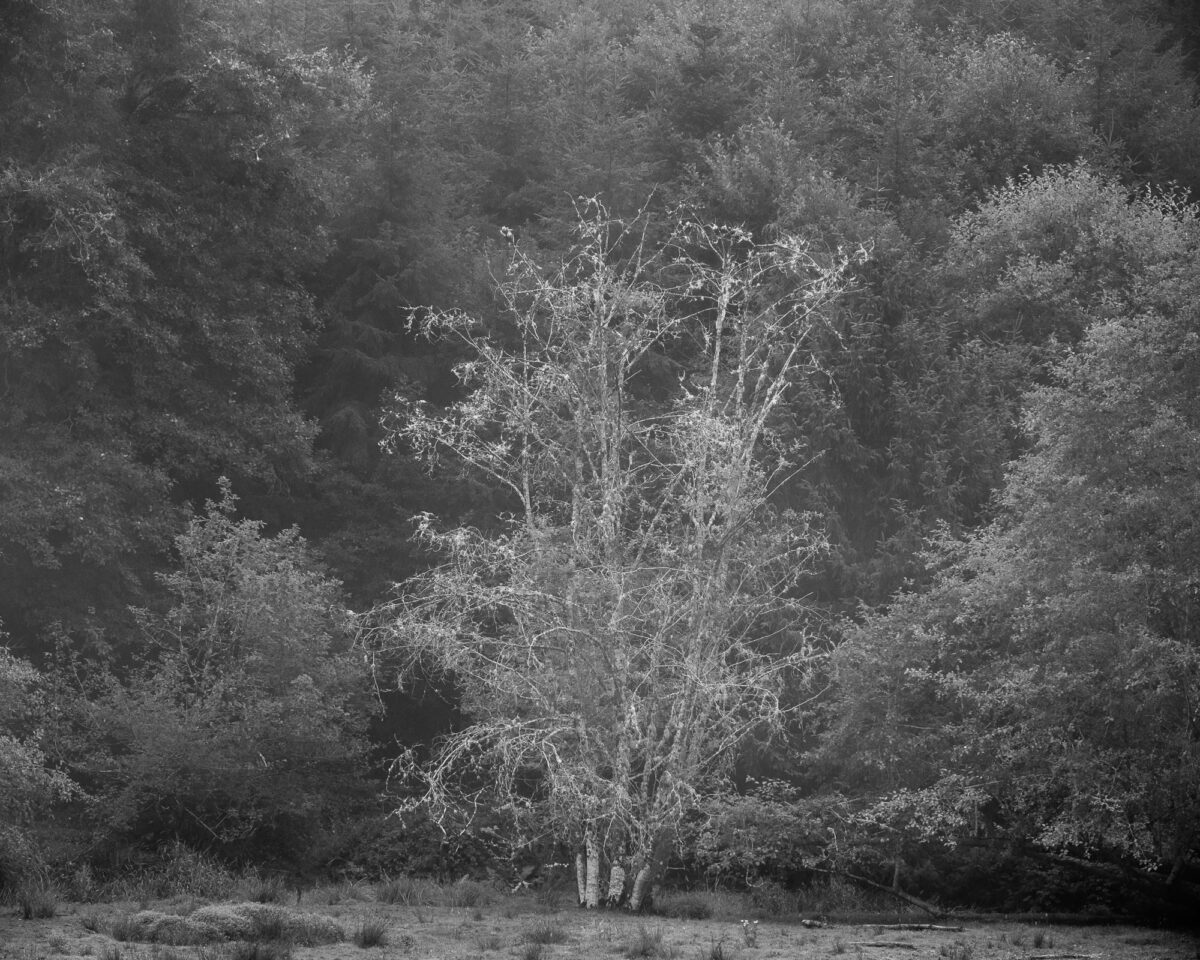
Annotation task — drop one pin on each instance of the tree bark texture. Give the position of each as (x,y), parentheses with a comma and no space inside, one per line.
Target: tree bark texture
(592,892)
(616,886)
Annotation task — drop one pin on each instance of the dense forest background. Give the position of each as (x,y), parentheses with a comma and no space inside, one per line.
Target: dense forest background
(224,228)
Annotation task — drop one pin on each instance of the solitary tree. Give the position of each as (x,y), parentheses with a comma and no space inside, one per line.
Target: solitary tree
(634,619)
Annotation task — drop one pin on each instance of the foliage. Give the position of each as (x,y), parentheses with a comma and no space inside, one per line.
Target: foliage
(1012,697)
(612,641)
(28,781)
(1010,110)
(242,725)
(767,833)
(163,193)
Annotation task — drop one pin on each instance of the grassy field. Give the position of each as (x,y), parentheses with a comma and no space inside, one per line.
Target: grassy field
(468,921)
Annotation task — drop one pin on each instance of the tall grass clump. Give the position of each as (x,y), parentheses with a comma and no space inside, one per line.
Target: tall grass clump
(467,893)
(38,903)
(371,932)
(544,931)
(646,943)
(407,892)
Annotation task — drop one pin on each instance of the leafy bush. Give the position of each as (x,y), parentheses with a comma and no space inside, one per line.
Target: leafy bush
(416,846)
(28,782)
(769,832)
(242,723)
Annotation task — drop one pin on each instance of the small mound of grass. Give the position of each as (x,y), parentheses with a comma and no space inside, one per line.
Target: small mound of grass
(371,932)
(544,932)
(270,922)
(150,926)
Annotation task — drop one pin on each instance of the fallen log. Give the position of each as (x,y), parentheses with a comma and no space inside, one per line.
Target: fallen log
(892,944)
(916,926)
(1062,956)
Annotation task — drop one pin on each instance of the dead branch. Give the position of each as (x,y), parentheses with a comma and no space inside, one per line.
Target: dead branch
(916,926)
(892,944)
(1062,956)
(929,908)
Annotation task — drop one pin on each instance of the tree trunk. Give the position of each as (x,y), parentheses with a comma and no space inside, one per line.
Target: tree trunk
(643,884)
(592,891)
(649,870)
(581,876)
(616,886)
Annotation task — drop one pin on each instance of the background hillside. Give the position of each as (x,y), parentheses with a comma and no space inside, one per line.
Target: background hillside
(233,239)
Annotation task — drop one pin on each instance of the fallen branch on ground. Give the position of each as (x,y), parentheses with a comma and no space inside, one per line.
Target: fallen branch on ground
(893,944)
(916,926)
(1062,956)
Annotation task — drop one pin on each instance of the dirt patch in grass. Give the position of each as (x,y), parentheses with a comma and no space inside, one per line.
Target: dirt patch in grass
(516,926)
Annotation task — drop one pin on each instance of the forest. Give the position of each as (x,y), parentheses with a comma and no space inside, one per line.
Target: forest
(706,444)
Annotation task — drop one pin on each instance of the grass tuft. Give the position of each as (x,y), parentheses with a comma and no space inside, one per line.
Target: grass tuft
(544,931)
(261,950)
(467,893)
(646,943)
(371,932)
(406,892)
(958,950)
(269,890)
(38,903)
